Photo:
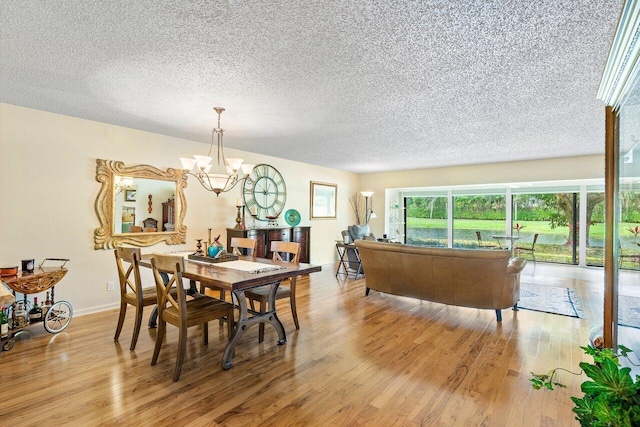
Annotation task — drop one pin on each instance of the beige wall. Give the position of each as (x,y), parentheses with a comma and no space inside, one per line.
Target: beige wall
(585,167)
(48,189)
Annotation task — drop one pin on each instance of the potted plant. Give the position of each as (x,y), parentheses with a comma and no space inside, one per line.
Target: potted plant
(611,396)
(518,227)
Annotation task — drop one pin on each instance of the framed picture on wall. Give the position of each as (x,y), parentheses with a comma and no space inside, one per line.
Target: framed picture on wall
(323,200)
(130,195)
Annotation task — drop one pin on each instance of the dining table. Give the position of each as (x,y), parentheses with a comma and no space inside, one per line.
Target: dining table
(238,276)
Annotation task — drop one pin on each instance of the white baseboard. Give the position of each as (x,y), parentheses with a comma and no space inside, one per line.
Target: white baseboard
(96,309)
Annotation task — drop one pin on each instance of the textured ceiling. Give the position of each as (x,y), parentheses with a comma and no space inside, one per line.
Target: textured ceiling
(363,86)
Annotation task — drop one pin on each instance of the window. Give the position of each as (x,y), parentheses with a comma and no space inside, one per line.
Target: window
(426,220)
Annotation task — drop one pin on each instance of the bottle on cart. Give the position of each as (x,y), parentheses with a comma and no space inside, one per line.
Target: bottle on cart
(20,316)
(35,314)
(45,306)
(4,323)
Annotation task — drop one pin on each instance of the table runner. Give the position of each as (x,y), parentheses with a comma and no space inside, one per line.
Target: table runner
(249,266)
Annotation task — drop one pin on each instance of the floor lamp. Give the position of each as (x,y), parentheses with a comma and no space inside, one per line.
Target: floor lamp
(368,214)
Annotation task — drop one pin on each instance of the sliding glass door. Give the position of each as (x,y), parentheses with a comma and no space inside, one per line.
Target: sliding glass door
(628,222)
(552,220)
(548,219)
(629,226)
(479,220)
(426,220)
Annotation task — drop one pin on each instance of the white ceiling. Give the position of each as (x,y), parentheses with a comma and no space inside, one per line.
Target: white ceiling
(358,85)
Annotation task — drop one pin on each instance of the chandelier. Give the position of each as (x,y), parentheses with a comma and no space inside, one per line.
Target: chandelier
(228,172)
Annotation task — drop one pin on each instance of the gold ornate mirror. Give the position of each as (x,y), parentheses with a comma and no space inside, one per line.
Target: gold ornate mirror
(139,205)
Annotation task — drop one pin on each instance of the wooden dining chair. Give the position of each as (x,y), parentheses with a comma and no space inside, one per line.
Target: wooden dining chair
(261,294)
(131,290)
(238,243)
(250,245)
(180,312)
(135,229)
(150,223)
(518,250)
(481,244)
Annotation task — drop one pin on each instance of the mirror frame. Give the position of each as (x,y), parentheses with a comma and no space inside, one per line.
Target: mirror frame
(104,236)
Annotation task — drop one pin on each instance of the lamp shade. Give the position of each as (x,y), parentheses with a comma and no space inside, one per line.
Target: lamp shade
(247,168)
(187,163)
(234,163)
(202,161)
(367,193)
(218,180)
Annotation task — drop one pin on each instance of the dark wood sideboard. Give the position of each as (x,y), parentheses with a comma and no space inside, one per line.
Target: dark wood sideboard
(265,236)
(168,216)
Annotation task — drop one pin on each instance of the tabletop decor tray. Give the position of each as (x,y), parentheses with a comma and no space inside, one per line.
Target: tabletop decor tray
(222,258)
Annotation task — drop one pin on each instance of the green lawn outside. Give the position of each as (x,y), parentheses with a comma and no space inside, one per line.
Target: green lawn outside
(551,253)
(530,227)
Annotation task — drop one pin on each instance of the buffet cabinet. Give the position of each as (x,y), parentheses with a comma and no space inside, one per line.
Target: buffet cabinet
(168,216)
(265,236)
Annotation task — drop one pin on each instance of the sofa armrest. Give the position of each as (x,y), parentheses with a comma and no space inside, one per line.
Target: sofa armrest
(516,265)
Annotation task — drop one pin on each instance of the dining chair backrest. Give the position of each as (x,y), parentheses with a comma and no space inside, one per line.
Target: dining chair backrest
(238,243)
(535,239)
(173,266)
(135,229)
(280,248)
(150,223)
(130,277)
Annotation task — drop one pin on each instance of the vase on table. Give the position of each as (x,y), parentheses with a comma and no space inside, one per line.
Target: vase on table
(215,248)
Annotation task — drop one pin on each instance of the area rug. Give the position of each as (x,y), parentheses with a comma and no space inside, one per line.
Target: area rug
(629,311)
(550,299)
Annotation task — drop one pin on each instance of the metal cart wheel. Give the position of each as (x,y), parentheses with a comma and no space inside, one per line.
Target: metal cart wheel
(58,317)
(9,344)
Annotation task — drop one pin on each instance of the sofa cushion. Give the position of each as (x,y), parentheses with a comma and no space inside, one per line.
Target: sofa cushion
(357,232)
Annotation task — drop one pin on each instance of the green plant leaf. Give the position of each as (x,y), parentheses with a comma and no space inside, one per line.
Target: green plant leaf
(545,380)
(611,396)
(624,350)
(599,355)
(610,412)
(536,383)
(609,381)
(634,415)
(584,410)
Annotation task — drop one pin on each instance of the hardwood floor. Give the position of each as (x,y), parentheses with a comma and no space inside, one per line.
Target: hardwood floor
(356,360)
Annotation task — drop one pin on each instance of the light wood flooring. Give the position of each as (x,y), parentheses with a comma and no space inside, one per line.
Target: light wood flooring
(379,360)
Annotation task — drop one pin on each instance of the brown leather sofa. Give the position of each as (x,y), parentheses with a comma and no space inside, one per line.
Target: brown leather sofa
(463,277)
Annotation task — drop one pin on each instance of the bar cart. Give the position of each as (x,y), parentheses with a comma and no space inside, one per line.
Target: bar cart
(45,277)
